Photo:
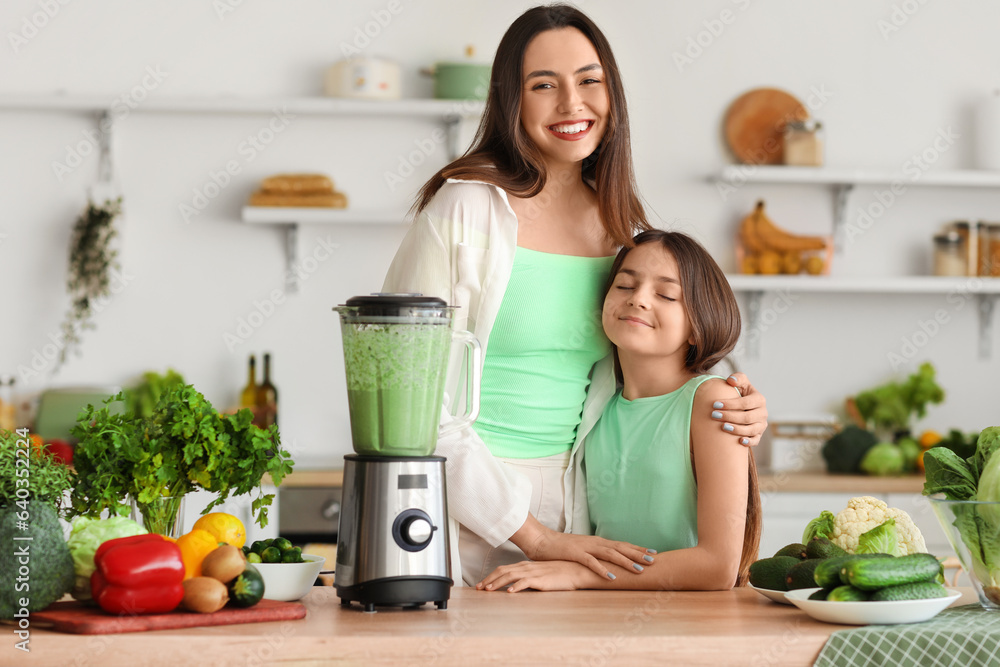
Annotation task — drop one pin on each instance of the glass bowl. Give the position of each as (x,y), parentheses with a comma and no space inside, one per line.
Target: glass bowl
(973,529)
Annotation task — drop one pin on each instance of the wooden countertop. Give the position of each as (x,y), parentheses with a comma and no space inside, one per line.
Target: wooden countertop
(792,482)
(577,627)
(819,482)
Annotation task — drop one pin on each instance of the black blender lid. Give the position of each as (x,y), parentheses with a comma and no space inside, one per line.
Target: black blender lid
(398,300)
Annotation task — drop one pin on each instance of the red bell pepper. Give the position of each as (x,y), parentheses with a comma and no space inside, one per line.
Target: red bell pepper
(141,574)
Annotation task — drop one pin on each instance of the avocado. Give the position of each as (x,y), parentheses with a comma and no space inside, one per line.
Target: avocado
(801,575)
(795,550)
(770,573)
(822,547)
(820,594)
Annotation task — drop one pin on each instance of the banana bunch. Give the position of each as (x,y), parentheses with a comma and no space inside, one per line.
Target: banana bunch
(768,249)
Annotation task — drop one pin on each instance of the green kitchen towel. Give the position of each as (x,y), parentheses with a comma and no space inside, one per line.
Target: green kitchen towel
(967,636)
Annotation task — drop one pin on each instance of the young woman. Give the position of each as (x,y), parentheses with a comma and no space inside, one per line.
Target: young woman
(520,233)
(658,470)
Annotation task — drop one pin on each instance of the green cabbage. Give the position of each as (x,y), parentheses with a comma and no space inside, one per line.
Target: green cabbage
(821,526)
(881,539)
(884,459)
(85,537)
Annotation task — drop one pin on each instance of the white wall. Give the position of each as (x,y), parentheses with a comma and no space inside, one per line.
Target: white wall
(189,283)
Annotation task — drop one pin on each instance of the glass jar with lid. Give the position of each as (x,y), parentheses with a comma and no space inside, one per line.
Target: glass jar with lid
(803,143)
(949,255)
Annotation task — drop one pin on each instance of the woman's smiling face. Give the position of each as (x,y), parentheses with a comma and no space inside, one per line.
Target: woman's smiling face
(564,102)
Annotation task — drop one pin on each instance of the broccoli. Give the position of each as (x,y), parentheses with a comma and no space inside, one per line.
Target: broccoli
(39,570)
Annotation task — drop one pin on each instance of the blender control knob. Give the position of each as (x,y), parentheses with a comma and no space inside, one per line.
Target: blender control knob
(412,530)
(418,531)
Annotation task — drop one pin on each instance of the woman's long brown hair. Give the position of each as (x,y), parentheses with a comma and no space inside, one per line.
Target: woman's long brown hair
(504,155)
(715,327)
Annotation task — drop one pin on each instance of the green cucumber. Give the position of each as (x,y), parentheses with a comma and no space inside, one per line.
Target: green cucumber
(870,574)
(247,589)
(922,590)
(820,594)
(827,573)
(769,573)
(801,575)
(847,594)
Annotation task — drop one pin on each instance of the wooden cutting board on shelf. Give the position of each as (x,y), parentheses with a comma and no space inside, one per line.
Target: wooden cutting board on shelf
(77,618)
(755,124)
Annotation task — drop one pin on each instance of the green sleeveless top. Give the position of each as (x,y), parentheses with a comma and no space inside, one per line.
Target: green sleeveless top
(546,338)
(640,483)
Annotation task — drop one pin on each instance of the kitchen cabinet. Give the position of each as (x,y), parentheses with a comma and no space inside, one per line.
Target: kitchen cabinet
(843,182)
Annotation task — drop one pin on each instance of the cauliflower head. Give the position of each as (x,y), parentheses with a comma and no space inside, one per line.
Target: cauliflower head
(864,513)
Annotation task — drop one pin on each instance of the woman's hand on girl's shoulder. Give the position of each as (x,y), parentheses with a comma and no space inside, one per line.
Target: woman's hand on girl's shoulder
(744,416)
(551,575)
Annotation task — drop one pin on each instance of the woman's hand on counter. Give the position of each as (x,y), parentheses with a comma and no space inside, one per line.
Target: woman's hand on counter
(553,575)
(544,544)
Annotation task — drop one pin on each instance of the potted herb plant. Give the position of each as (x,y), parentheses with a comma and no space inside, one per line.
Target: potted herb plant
(182,446)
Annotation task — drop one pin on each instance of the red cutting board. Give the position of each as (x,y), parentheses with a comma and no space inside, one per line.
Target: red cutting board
(80,619)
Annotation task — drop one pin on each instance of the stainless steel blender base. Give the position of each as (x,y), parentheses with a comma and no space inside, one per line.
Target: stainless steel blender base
(398,592)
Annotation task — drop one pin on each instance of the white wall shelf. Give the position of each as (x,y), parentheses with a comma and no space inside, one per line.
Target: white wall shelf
(843,182)
(290,217)
(985,290)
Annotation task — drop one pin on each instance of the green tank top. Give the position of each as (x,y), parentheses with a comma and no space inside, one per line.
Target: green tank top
(546,338)
(640,484)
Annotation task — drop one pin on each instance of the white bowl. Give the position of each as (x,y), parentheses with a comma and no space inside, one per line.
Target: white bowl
(771,594)
(290,581)
(870,613)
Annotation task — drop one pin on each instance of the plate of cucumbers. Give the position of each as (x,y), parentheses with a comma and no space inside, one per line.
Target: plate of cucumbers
(875,589)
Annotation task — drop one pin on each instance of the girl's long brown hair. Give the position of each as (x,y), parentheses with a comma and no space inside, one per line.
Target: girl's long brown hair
(504,155)
(715,325)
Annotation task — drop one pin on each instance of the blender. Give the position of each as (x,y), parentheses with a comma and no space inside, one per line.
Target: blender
(392,543)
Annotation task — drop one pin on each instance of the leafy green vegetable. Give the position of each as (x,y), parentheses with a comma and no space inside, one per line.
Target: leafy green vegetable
(948,474)
(881,539)
(88,534)
(962,444)
(890,407)
(141,399)
(38,476)
(185,445)
(976,478)
(884,459)
(821,526)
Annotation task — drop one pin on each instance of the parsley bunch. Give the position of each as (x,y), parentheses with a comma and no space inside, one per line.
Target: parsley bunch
(184,445)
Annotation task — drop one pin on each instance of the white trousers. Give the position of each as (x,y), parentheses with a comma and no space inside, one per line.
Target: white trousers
(547,505)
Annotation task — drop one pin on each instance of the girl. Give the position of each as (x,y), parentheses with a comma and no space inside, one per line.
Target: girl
(520,233)
(658,472)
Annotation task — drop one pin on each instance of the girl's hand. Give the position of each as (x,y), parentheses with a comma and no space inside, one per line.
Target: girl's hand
(744,417)
(554,575)
(541,543)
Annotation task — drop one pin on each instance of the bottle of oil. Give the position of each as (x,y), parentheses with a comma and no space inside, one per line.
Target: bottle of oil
(248,397)
(267,396)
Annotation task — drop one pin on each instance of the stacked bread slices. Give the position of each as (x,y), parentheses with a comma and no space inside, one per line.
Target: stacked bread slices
(298,190)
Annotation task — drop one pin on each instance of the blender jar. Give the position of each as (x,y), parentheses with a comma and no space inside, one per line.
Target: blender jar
(396,352)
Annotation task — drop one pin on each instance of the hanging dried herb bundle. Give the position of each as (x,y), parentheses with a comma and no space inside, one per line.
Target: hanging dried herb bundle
(91,259)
